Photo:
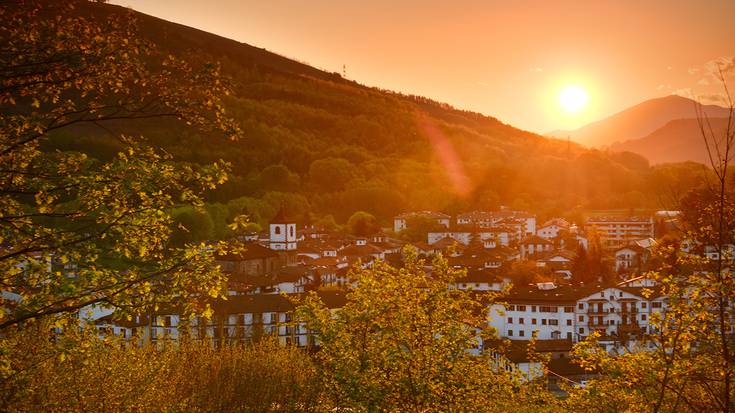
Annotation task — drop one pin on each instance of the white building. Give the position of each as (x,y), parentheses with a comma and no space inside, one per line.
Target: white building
(282,233)
(617,231)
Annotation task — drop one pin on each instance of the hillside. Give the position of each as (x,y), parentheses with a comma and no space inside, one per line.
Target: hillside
(678,141)
(319,145)
(638,121)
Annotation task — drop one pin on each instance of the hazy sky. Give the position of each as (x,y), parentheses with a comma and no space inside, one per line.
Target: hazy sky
(507,59)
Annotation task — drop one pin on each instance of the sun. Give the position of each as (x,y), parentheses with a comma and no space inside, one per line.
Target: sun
(573,98)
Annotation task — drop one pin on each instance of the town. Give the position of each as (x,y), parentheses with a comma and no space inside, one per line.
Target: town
(535,266)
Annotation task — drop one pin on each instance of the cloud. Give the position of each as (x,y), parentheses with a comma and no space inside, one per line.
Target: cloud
(684,92)
(703,81)
(693,70)
(662,87)
(536,69)
(724,64)
(714,98)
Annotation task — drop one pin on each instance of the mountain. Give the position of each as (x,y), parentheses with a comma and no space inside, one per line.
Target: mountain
(678,141)
(638,121)
(318,145)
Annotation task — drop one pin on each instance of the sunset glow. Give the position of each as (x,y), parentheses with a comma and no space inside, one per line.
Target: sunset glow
(573,98)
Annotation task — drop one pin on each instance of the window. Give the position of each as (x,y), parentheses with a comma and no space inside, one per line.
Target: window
(620,294)
(569,309)
(553,322)
(543,321)
(581,319)
(520,320)
(656,304)
(510,320)
(521,308)
(533,321)
(643,305)
(511,308)
(533,308)
(521,333)
(580,306)
(510,333)
(290,230)
(277,230)
(569,336)
(643,317)
(569,322)
(581,330)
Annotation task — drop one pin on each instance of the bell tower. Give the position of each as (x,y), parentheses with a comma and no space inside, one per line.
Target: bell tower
(282,233)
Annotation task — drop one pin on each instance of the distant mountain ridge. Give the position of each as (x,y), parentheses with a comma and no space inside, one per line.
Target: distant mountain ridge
(678,141)
(639,121)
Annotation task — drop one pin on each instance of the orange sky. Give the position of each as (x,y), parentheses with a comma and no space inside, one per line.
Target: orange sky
(506,59)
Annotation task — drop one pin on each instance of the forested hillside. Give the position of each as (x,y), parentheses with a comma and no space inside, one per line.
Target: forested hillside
(321,145)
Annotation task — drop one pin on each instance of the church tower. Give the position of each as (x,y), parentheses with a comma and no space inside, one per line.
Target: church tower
(282,233)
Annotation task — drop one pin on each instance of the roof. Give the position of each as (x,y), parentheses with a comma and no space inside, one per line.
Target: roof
(252,251)
(480,276)
(563,294)
(535,239)
(360,250)
(428,214)
(566,254)
(274,303)
(618,219)
(559,222)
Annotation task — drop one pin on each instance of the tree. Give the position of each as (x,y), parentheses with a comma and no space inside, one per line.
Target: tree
(191,225)
(279,178)
(362,224)
(418,227)
(331,174)
(77,231)
(404,341)
(687,362)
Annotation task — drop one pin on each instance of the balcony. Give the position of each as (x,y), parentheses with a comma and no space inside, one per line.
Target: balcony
(597,312)
(596,323)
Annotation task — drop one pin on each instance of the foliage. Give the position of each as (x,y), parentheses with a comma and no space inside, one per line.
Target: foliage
(418,226)
(77,231)
(686,363)
(109,375)
(367,149)
(406,342)
(362,224)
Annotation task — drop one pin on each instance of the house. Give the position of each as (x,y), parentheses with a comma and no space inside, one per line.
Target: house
(628,258)
(534,246)
(620,314)
(546,310)
(400,222)
(551,228)
(255,259)
(480,280)
(558,260)
(617,231)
